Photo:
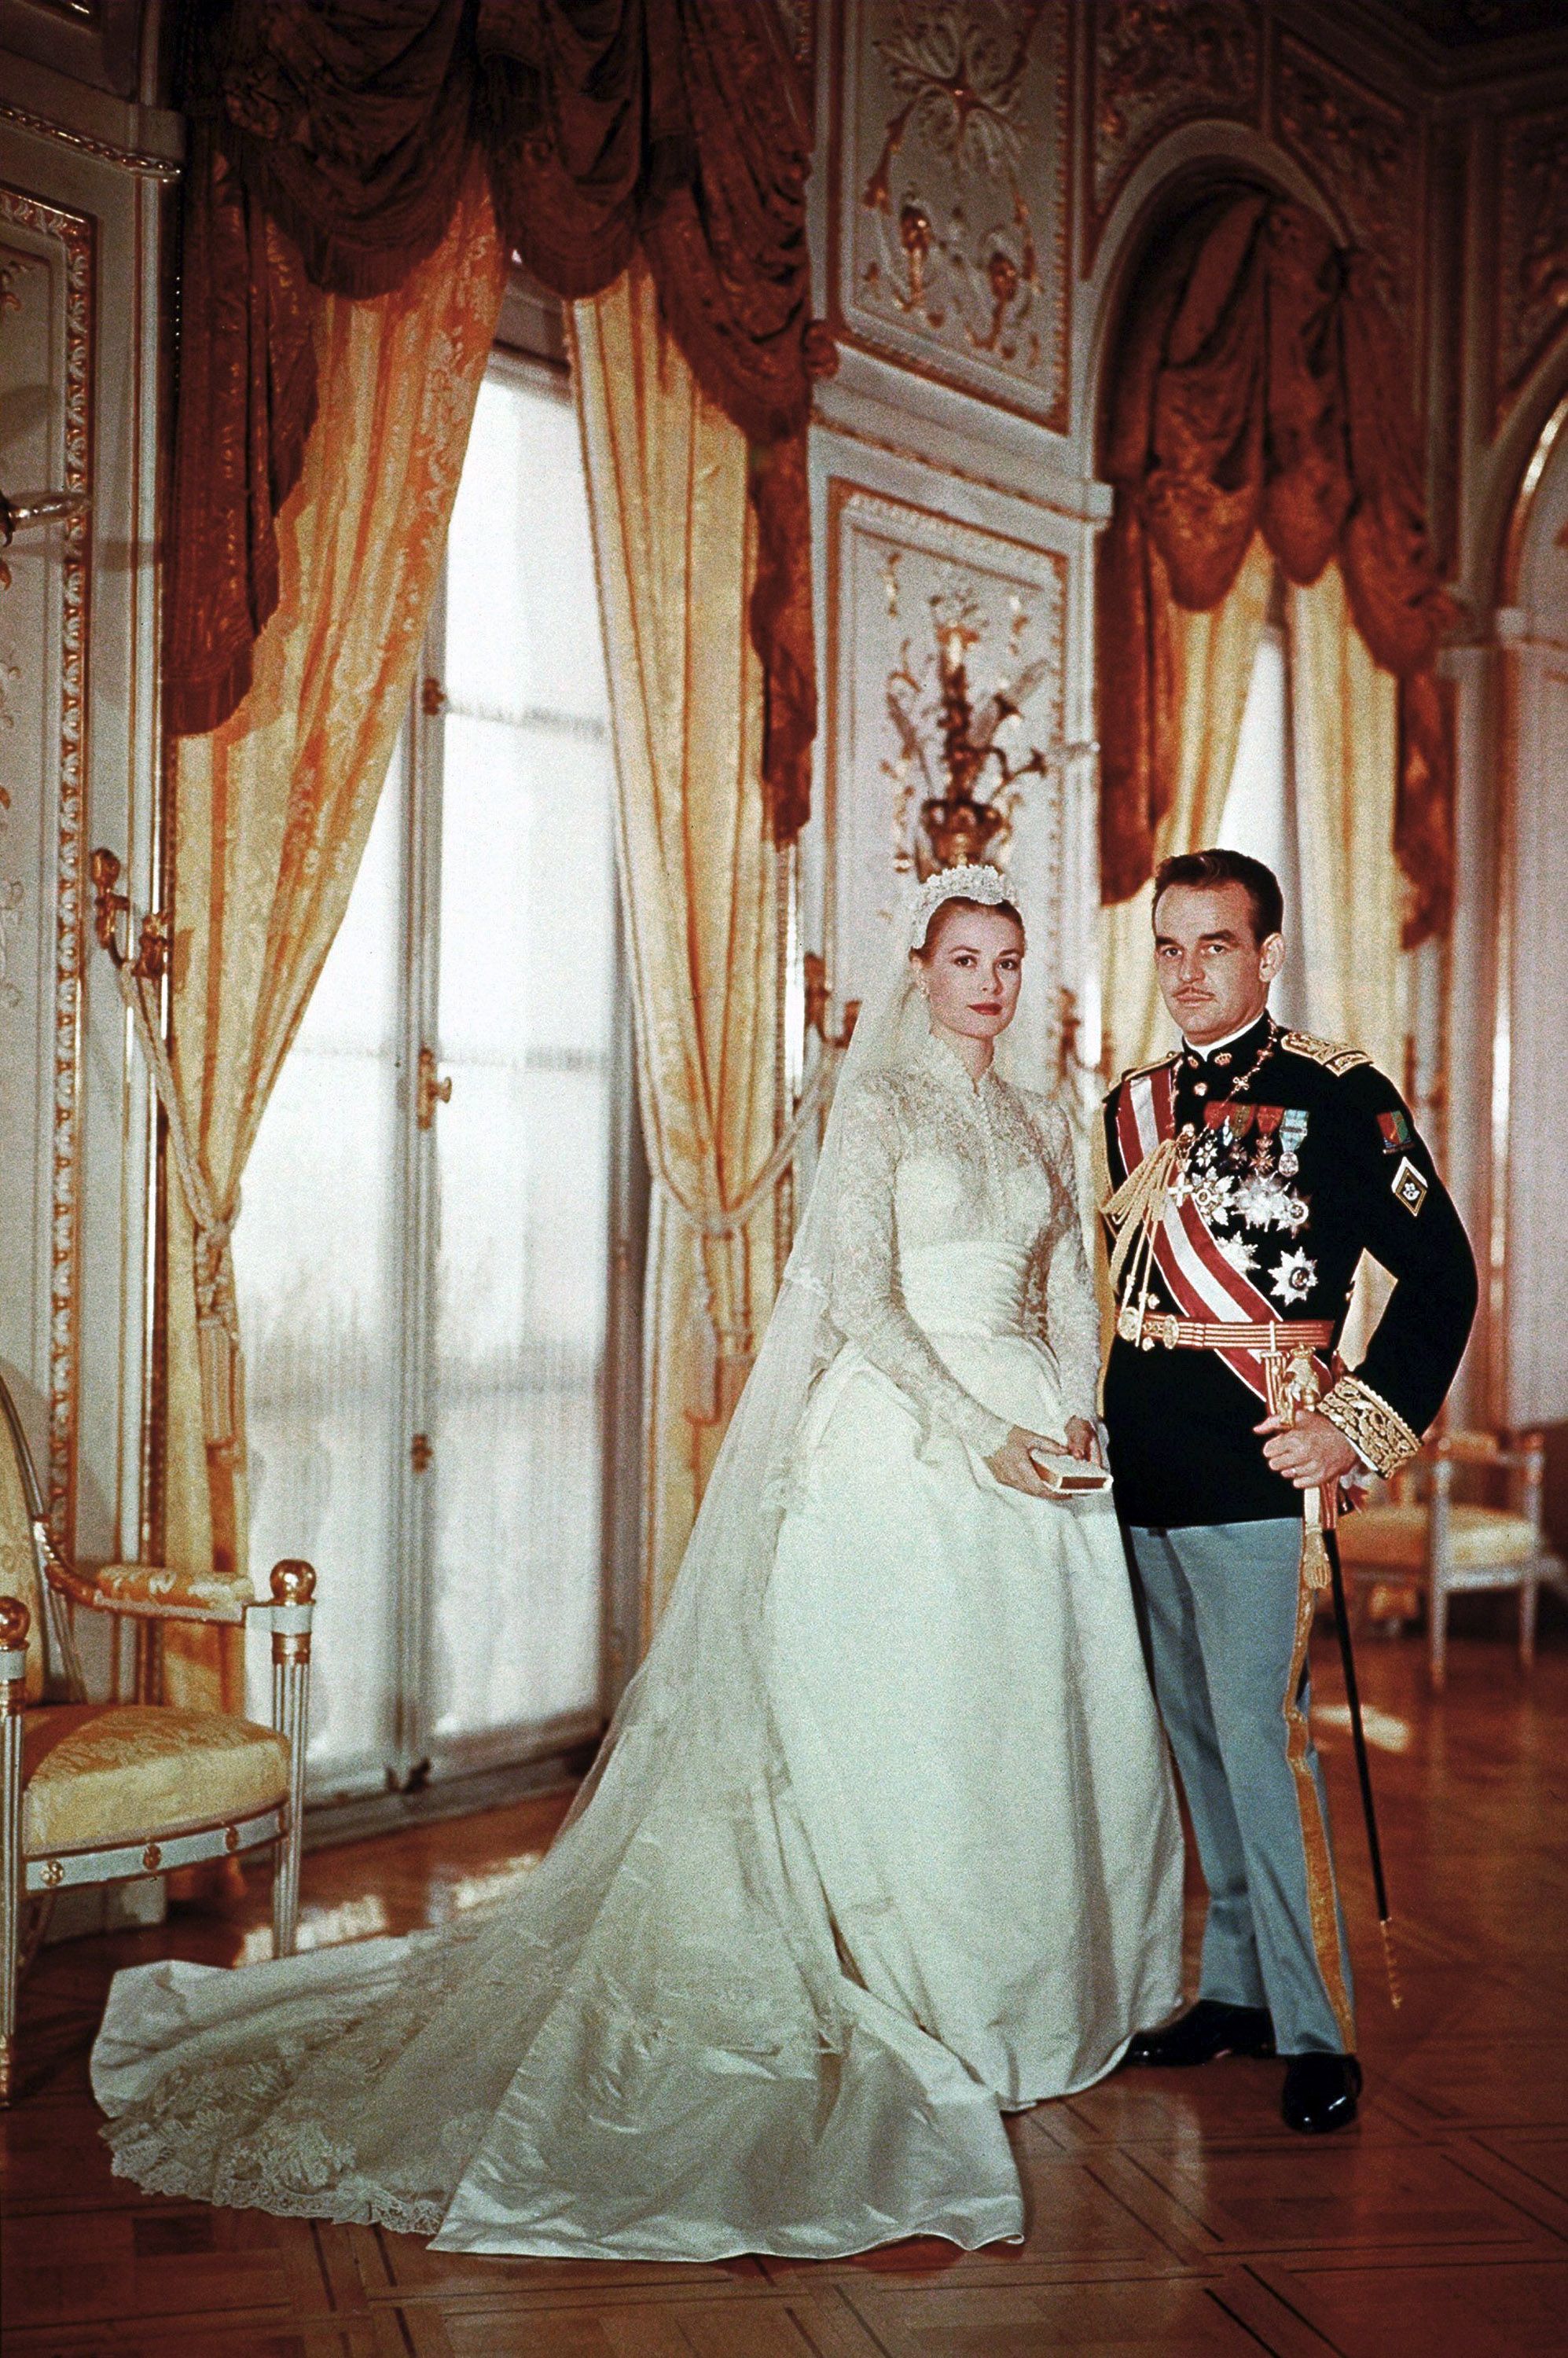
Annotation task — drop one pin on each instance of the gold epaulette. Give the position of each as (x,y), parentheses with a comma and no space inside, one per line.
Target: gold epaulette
(1136,1072)
(1332,1055)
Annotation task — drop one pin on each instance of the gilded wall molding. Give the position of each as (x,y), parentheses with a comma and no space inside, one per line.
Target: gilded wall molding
(951,194)
(73,234)
(107,151)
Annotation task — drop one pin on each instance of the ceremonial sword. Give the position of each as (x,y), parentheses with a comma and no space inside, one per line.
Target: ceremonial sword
(1363,1766)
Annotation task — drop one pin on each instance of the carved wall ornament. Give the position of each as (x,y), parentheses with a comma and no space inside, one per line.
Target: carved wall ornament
(948,808)
(952,153)
(1365,151)
(1155,64)
(1533,280)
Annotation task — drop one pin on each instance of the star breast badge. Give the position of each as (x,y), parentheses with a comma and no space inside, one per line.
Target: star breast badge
(1293,1279)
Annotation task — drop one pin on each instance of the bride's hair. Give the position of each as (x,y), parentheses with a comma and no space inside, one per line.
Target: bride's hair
(944,911)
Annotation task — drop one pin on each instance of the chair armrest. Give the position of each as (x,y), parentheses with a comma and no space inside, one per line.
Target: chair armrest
(1521,1451)
(160,1592)
(1468,1448)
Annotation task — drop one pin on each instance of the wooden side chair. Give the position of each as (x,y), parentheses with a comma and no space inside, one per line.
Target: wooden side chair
(95,1793)
(1422,1535)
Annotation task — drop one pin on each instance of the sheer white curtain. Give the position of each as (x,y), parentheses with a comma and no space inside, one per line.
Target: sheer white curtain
(426,1307)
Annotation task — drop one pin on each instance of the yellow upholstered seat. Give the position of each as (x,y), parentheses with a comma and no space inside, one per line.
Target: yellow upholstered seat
(98,1774)
(1396,1539)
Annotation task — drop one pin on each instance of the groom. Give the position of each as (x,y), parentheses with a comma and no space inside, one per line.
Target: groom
(1250,1169)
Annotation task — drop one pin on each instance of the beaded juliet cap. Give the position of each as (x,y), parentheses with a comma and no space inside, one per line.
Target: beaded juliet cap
(979,882)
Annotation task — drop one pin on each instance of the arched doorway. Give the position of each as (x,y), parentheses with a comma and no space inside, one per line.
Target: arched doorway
(1245,695)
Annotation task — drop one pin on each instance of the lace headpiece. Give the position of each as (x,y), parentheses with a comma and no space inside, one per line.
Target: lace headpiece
(979,882)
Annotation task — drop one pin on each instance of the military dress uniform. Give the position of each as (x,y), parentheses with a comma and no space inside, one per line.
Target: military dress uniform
(1272,1161)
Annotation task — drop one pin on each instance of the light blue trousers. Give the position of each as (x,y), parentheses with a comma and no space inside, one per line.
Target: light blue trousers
(1222,1603)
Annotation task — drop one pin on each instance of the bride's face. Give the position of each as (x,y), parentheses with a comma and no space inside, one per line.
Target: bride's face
(971,970)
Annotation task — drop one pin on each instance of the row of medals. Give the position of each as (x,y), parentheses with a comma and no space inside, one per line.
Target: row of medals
(1225,1179)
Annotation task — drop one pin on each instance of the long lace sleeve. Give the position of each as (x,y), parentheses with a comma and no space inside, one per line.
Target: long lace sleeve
(1061,1306)
(866,1303)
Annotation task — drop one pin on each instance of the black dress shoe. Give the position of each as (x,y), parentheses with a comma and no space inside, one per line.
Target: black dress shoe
(1208,2030)
(1320,2092)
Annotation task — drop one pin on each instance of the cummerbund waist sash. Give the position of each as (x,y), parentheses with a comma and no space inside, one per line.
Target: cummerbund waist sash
(965,1288)
(1275,1337)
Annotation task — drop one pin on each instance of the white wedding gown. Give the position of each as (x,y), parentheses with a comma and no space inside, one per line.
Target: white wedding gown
(875,1857)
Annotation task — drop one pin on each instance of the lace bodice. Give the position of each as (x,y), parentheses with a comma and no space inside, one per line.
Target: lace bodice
(932,1158)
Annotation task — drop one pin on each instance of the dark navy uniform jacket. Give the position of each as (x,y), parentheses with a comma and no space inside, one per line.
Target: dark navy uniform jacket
(1311,1163)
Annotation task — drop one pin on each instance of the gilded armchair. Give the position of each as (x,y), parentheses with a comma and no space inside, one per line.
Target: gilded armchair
(96,1793)
(1453,1548)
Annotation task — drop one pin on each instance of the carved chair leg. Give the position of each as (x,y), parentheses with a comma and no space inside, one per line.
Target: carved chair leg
(1437,1615)
(293,1588)
(13,1622)
(1529,1591)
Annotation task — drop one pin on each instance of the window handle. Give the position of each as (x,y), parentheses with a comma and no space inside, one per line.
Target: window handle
(430,1089)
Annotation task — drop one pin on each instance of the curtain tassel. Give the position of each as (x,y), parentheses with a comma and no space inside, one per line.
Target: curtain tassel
(217,1338)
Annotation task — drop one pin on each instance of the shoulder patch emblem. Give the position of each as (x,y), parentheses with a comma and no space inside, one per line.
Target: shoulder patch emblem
(1410,1186)
(1332,1055)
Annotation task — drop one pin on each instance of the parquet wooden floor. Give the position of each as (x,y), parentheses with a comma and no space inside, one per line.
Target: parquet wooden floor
(1170,2213)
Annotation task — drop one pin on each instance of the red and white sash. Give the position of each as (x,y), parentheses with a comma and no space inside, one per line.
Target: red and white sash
(1200,1280)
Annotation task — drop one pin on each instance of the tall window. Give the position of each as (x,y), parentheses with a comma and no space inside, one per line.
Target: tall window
(425,1259)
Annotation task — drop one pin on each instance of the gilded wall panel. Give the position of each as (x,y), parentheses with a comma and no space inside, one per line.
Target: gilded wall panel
(950,189)
(1154,65)
(902,580)
(45,443)
(1532,275)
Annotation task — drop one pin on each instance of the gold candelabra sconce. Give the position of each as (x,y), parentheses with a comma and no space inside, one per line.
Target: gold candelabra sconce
(814,969)
(429,1092)
(1073,1067)
(149,961)
(32,513)
(962,825)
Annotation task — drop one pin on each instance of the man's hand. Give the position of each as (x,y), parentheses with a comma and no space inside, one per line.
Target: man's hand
(1311,1453)
(1083,1440)
(1012,1464)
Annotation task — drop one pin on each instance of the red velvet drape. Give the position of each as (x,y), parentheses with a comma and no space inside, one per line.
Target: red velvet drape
(1262,387)
(329,141)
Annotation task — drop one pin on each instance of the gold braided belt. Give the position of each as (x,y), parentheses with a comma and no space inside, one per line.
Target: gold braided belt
(1270,1337)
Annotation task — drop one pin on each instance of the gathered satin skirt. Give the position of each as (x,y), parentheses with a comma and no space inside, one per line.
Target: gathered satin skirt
(899,1855)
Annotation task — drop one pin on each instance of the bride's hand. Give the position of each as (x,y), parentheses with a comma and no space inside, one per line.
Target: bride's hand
(1083,1440)
(1013,1465)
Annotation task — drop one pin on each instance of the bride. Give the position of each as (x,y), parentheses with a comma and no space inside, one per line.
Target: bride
(882,1843)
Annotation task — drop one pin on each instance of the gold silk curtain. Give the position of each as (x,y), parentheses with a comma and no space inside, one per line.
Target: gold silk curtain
(675,547)
(271,810)
(1344,729)
(1201,676)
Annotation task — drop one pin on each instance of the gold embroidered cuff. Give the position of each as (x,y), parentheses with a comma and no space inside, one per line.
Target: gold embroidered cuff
(1378,1432)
